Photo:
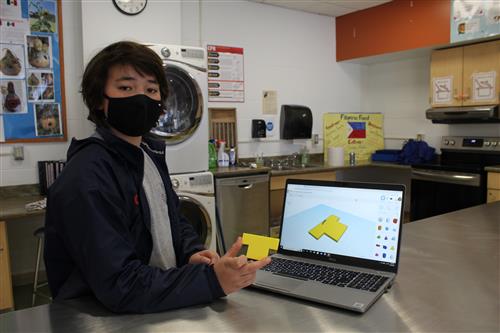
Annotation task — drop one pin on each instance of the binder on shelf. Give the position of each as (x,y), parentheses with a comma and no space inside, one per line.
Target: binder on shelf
(48,171)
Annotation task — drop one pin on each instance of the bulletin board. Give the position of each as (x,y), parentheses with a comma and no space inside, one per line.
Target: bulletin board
(361,133)
(31,71)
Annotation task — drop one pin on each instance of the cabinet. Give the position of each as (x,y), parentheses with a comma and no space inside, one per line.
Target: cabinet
(493,187)
(466,76)
(6,298)
(398,25)
(277,193)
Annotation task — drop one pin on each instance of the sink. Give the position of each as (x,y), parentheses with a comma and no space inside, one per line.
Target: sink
(299,167)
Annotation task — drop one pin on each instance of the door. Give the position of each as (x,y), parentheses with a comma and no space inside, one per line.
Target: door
(446,77)
(183,107)
(481,78)
(198,217)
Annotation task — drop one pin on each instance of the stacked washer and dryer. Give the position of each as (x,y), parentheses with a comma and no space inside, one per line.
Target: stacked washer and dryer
(184,127)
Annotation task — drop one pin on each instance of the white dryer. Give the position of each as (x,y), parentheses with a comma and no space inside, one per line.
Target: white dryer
(197,196)
(184,126)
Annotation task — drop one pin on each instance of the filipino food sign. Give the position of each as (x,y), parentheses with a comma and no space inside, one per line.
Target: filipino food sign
(361,133)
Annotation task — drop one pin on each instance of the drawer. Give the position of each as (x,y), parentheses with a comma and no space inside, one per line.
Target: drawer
(494,180)
(493,195)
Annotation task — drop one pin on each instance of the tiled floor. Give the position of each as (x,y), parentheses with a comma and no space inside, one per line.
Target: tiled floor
(23,296)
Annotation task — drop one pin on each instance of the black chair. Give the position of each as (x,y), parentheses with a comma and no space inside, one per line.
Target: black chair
(39,234)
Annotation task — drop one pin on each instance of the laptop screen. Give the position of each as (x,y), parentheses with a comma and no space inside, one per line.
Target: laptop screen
(333,220)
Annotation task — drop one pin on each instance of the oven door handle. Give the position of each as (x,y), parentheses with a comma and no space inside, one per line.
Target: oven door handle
(468,179)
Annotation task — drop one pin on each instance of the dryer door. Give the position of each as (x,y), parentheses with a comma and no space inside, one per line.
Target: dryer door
(183,107)
(198,217)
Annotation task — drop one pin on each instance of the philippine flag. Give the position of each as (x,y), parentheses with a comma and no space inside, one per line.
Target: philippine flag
(358,130)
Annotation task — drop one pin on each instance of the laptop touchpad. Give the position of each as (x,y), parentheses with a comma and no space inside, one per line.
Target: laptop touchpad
(282,283)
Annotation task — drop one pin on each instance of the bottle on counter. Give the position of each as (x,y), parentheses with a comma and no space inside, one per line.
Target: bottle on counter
(222,156)
(304,156)
(352,158)
(212,154)
(232,156)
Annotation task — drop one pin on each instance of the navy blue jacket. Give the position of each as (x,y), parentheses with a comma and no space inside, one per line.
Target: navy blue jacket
(97,235)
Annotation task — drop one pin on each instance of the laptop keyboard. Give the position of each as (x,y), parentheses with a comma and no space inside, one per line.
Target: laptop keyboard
(325,274)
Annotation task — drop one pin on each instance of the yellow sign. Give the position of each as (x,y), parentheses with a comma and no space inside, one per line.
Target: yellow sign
(361,133)
(331,227)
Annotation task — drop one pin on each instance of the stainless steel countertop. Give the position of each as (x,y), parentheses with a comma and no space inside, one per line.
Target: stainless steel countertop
(448,281)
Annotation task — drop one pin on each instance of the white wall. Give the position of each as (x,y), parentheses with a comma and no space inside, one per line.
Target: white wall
(288,51)
(400,90)
(25,172)
(103,24)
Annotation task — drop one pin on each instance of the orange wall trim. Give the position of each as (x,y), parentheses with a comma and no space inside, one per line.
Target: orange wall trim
(394,26)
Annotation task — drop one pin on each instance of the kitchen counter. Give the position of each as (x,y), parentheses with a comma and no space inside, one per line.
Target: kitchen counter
(320,167)
(238,171)
(447,281)
(13,200)
(493,168)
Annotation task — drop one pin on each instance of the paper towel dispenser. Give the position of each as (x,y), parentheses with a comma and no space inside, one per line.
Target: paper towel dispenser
(295,122)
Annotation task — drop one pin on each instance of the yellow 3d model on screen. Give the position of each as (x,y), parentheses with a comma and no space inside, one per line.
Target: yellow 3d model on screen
(331,226)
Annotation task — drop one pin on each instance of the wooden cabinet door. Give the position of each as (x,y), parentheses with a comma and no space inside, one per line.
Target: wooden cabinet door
(493,195)
(494,180)
(482,73)
(6,299)
(446,65)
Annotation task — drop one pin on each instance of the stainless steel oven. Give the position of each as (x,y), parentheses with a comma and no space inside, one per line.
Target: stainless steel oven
(457,180)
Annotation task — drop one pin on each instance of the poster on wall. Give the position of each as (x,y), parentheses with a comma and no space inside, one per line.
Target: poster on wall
(31,71)
(225,74)
(472,19)
(441,88)
(361,133)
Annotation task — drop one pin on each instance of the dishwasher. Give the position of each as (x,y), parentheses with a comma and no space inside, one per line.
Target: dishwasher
(243,206)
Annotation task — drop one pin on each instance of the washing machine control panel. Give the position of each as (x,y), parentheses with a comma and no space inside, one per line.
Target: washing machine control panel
(194,183)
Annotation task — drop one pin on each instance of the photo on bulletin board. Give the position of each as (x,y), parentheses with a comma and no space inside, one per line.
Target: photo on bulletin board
(48,119)
(13,97)
(33,107)
(12,61)
(39,51)
(43,16)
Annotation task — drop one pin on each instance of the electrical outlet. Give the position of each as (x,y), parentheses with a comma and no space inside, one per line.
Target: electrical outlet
(420,137)
(315,139)
(18,153)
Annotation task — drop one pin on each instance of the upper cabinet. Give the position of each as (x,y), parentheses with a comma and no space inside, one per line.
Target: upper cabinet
(466,76)
(399,25)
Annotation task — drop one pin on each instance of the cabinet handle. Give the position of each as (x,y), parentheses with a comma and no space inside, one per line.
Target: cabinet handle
(466,96)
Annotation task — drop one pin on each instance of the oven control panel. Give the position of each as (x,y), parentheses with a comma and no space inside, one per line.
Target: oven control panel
(479,143)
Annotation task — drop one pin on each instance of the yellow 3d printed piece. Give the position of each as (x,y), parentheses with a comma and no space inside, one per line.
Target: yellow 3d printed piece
(331,227)
(259,246)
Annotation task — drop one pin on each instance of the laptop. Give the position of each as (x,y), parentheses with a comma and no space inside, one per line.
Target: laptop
(339,242)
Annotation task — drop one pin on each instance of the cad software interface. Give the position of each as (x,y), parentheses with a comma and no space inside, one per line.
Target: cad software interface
(355,222)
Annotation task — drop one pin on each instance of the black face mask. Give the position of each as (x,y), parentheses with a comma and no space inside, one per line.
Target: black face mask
(134,115)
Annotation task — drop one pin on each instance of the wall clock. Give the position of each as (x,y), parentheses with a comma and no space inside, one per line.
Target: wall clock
(130,7)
